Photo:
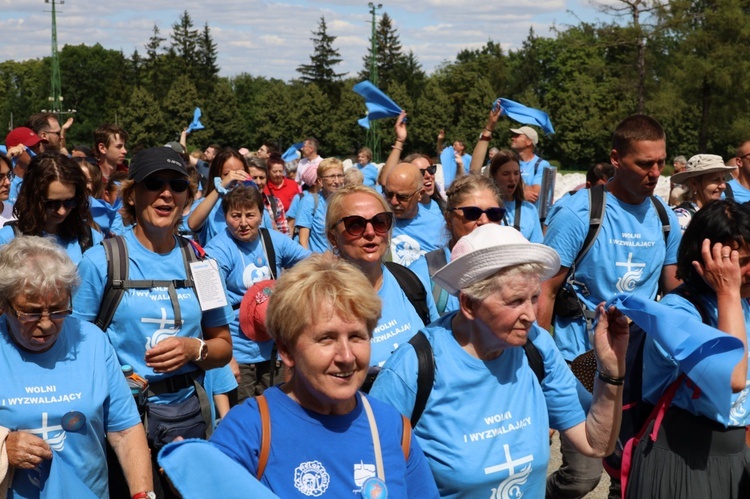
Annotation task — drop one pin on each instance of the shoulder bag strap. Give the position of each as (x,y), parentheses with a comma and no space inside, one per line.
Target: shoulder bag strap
(425,374)
(265,434)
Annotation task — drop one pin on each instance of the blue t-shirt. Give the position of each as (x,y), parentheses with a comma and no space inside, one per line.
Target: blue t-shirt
(398,320)
(145,317)
(485,426)
(335,456)
(80,372)
(316,221)
(71,246)
(532,175)
(217,222)
(15,188)
(627,257)
(243,265)
(218,381)
(412,238)
(106,217)
(422,270)
(449,166)
(530,226)
(740,192)
(660,369)
(370,172)
(433,207)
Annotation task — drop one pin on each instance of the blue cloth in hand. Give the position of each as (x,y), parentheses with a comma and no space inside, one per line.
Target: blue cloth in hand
(196,124)
(526,115)
(379,105)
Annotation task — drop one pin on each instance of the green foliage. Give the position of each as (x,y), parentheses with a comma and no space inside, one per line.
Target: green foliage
(143,119)
(321,68)
(178,107)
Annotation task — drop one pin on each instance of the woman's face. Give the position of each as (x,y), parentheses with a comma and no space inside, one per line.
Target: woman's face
(56,211)
(507,178)
(37,335)
(329,363)
(244,223)
(458,146)
(428,179)
(276,172)
(710,186)
(159,209)
(459,225)
(371,246)
(745,271)
(231,165)
(505,317)
(89,183)
(4,180)
(259,177)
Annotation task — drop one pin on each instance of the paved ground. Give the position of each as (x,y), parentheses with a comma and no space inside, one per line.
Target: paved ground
(600,492)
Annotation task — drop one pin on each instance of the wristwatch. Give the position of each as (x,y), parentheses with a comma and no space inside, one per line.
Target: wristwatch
(202,352)
(145,495)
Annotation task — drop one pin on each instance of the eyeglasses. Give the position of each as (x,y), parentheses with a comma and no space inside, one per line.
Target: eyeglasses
(745,156)
(56,133)
(157,184)
(29,318)
(473,213)
(55,204)
(356,225)
(430,169)
(402,198)
(337,176)
(7,176)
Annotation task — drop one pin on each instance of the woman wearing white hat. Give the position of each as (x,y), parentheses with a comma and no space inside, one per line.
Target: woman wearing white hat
(498,382)
(704,177)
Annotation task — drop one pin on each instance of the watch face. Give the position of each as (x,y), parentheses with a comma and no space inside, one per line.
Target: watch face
(150,495)
(204,351)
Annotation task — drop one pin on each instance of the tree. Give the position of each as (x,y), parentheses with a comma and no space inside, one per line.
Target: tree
(222,118)
(389,57)
(277,116)
(433,112)
(344,135)
(143,119)
(179,105)
(185,41)
(322,62)
(207,54)
(409,72)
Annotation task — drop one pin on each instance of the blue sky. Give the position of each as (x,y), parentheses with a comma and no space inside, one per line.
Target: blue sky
(273,38)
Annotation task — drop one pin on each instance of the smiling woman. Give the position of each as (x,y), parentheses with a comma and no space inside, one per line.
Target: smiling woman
(351,443)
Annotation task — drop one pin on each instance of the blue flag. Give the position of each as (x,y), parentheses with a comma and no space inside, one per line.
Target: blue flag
(525,115)
(291,153)
(196,124)
(59,479)
(706,355)
(378,104)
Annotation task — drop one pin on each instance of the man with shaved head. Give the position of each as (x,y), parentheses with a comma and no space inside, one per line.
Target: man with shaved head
(416,230)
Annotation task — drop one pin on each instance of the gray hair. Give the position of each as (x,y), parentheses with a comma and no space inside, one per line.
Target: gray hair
(680,159)
(481,290)
(35,265)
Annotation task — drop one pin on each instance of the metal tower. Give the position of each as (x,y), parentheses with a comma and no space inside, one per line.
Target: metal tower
(56,95)
(373,133)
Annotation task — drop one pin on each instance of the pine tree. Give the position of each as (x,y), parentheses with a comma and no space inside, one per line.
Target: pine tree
(320,70)
(389,55)
(143,119)
(185,39)
(207,54)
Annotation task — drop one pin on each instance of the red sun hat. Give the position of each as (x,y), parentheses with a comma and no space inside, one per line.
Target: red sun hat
(253,310)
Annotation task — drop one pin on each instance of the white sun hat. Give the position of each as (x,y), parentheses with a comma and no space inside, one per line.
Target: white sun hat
(489,249)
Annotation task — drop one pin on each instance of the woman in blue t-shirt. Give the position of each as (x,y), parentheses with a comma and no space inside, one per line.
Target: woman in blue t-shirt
(700,449)
(498,381)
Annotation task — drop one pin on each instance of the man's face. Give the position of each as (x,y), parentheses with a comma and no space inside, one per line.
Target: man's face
(743,159)
(519,142)
(308,150)
(210,154)
(115,152)
(51,136)
(638,169)
(403,196)
(679,166)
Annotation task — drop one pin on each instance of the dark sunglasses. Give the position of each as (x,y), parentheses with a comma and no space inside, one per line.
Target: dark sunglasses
(430,169)
(401,198)
(157,184)
(473,213)
(356,225)
(55,204)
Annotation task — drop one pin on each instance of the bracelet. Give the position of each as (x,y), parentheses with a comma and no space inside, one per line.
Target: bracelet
(144,495)
(610,380)
(486,138)
(397,148)
(489,130)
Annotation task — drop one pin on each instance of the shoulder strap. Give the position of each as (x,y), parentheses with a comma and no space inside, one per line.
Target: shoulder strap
(274,208)
(663,217)
(405,437)
(536,362)
(412,288)
(14,225)
(436,260)
(597,205)
(536,165)
(265,434)
(265,238)
(517,216)
(728,192)
(425,374)
(89,242)
(116,254)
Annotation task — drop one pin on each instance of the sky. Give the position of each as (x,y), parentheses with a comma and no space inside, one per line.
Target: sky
(273,38)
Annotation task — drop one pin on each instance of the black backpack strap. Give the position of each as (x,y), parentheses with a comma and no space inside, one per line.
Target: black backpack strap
(116,254)
(597,205)
(666,227)
(14,225)
(425,374)
(265,238)
(517,216)
(728,192)
(274,208)
(536,362)
(412,288)
(436,260)
(536,165)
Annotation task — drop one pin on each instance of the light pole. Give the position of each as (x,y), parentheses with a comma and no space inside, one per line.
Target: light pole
(373,135)
(56,97)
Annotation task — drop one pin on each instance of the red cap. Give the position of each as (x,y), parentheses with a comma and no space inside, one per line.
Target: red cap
(22,135)
(253,310)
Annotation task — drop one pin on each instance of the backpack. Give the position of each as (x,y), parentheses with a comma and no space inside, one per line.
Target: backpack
(412,288)
(84,244)
(436,260)
(426,370)
(265,435)
(567,303)
(517,216)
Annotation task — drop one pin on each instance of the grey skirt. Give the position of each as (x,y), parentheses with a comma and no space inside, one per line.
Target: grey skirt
(693,457)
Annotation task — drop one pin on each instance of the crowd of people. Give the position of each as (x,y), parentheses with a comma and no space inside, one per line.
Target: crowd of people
(338,327)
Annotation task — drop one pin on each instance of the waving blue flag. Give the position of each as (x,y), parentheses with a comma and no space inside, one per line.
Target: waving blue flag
(59,479)
(196,124)
(526,115)
(291,153)
(706,355)
(378,104)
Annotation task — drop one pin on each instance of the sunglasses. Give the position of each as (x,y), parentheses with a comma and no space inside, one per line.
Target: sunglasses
(473,213)
(55,204)
(157,184)
(430,169)
(402,198)
(356,225)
